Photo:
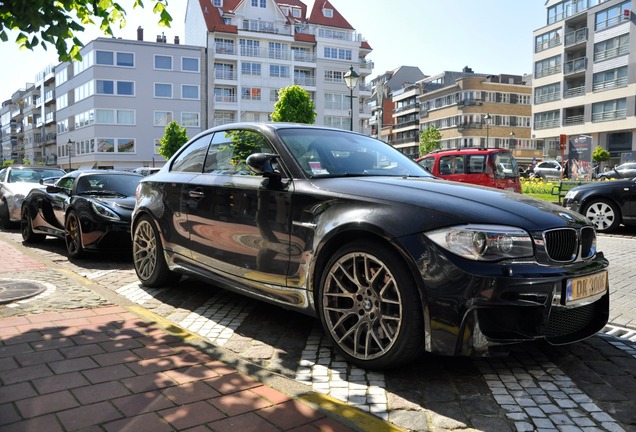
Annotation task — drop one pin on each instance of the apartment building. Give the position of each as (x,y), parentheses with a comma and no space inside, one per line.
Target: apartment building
(470,110)
(584,83)
(112,107)
(256,47)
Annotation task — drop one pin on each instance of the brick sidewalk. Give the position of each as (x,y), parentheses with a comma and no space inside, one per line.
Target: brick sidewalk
(109,369)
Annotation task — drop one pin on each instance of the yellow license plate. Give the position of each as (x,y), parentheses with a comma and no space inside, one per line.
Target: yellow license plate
(587,286)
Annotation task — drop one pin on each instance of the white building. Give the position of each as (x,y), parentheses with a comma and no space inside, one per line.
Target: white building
(114,104)
(584,84)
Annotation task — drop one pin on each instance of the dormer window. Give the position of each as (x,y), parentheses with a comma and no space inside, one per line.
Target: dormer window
(328,13)
(217,3)
(296,13)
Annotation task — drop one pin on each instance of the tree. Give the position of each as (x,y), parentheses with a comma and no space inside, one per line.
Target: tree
(294,105)
(174,137)
(430,140)
(600,154)
(55,22)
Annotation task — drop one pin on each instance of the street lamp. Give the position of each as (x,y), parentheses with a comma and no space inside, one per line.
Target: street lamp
(512,139)
(69,147)
(351,80)
(487,118)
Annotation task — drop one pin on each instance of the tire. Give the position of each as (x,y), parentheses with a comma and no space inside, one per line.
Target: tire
(5,221)
(148,258)
(369,306)
(26,227)
(605,215)
(73,236)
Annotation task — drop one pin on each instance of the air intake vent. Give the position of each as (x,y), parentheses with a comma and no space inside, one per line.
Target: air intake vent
(561,244)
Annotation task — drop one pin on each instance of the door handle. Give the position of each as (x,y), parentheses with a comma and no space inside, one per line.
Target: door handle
(196,194)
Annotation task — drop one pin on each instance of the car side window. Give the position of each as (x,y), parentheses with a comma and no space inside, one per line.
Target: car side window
(66,183)
(229,150)
(451,165)
(476,164)
(427,163)
(3,173)
(193,157)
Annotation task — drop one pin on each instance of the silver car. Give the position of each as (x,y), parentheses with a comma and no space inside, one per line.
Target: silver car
(548,169)
(15,183)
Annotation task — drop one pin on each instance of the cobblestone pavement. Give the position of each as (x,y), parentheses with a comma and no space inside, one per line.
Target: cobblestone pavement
(588,386)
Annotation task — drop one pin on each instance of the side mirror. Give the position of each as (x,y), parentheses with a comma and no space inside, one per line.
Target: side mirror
(261,163)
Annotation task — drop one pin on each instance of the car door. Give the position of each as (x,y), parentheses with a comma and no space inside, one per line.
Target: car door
(239,223)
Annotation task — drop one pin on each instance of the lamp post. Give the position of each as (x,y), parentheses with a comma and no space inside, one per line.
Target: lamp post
(351,80)
(69,147)
(487,118)
(512,139)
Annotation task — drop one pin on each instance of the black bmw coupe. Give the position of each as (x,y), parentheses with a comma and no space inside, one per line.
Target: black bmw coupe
(392,260)
(90,210)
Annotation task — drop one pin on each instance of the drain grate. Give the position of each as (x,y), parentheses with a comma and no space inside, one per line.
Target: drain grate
(13,290)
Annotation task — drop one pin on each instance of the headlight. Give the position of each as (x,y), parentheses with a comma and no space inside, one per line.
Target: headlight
(484,242)
(104,211)
(571,194)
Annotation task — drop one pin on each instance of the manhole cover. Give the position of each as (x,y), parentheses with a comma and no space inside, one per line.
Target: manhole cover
(13,290)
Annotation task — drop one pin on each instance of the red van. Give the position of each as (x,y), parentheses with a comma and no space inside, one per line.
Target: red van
(494,167)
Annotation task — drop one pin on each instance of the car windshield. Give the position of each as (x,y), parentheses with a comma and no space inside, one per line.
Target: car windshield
(120,184)
(32,175)
(327,153)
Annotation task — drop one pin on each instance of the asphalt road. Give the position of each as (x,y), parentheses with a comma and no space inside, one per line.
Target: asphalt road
(590,385)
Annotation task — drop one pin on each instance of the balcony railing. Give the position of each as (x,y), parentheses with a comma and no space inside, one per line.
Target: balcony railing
(265,27)
(576,37)
(609,115)
(542,46)
(303,56)
(573,120)
(469,125)
(305,81)
(611,53)
(225,98)
(469,102)
(229,75)
(574,66)
(405,124)
(547,97)
(611,84)
(574,92)
(410,106)
(546,124)
(548,71)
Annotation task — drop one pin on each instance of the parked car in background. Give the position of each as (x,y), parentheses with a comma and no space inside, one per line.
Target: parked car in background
(623,171)
(15,183)
(90,210)
(549,169)
(487,167)
(145,171)
(605,204)
(392,260)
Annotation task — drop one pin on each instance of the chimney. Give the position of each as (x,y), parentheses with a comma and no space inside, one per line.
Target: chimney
(140,33)
(176,40)
(163,38)
(158,38)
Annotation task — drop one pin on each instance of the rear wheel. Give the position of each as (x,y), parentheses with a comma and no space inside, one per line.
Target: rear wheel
(148,258)
(27,228)
(73,236)
(605,215)
(369,306)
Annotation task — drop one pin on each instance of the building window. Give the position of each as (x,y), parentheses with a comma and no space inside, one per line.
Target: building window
(611,48)
(609,110)
(546,120)
(125,59)
(189,119)
(279,71)
(217,3)
(547,40)
(126,88)
(163,62)
(224,94)
(610,79)
(251,93)
(162,118)
(250,48)
(334,76)
(190,92)
(547,93)
(327,13)
(248,68)
(108,87)
(104,58)
(259,3)
(189,64)
(549,66)
(337,53)
(612,16)
(163,90)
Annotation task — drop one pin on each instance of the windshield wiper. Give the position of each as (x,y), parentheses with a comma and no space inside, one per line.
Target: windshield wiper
(101,192)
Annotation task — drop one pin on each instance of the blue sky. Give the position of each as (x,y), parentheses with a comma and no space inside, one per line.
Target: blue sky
(489,36)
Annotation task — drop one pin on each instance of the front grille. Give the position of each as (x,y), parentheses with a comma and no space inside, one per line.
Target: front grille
(564,322)
(561,244)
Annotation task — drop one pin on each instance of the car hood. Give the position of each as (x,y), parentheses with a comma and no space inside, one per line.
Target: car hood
(454,203)
(606,185)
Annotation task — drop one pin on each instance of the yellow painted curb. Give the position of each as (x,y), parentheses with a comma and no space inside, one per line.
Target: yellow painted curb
(167,325)
(361,419)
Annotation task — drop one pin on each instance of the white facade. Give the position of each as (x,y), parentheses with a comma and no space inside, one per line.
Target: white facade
(114,104)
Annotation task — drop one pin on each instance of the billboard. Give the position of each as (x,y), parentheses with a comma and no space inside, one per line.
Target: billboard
(579,162)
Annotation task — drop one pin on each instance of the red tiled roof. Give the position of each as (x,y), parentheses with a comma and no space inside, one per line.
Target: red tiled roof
(317,16)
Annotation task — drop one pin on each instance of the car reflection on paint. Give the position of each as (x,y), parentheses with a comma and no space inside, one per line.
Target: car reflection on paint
(90,210)
(393,261)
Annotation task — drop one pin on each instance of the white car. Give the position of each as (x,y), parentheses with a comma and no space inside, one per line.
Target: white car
(548,169)
(15,183)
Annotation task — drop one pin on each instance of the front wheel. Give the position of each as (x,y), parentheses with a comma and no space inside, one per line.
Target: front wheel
(27,228)
(148,259)
(370,308)
(605,215)
(73,237)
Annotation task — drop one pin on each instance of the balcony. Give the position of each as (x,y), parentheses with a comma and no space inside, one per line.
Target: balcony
(546,124)
(225,48)
(576,37)
(469,125)
(469,102)
(547,97)
(575,66)
(305,81)
(573,120)
(611,53)
(265,27)
(228,75)
(305,57)
(609,115)
(414,105)
(609,85)
(406,124)
(574,91)
(548,71)
(547,45)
